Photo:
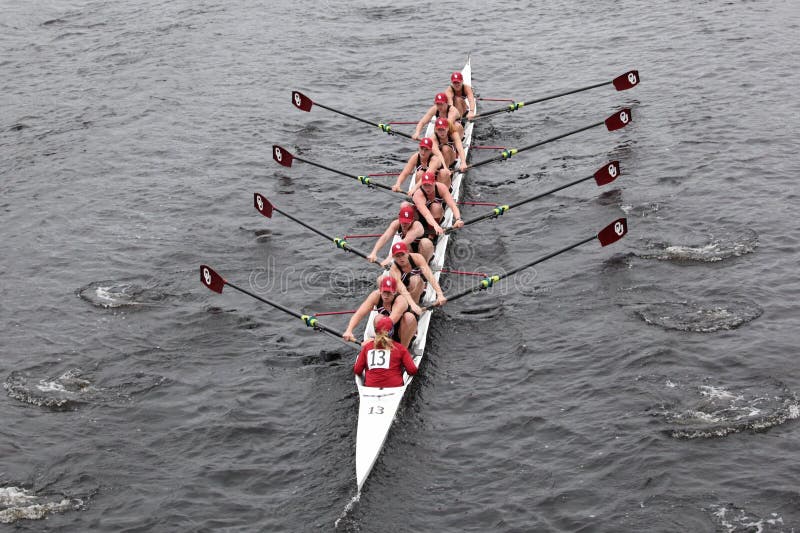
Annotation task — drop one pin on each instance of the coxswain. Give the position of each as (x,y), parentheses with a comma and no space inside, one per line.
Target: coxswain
(461,96)
(410,230)
(429,200)
(420,162)
(413,270)
(441,108)
(447,147)
(382,360)
(393,300)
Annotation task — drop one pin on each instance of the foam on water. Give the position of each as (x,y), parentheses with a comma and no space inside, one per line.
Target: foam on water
(19,504)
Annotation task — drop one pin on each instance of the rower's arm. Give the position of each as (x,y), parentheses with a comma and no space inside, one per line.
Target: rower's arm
(422,209)
(428,273)
(470,97)
(362,311)
(448,199)
(460,150)
(403,290)
(450,95)
(383,240)
(423,121)
(404,173)
(437,151)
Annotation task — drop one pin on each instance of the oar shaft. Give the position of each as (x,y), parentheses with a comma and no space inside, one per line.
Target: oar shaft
(383,127)
(502,209)
(295,314)
(515,106)
(494,279)
(508,153)
(363,179)
(340,243)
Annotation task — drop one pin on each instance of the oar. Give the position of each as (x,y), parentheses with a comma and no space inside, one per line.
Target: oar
(604,175)
(618,120)
(304,103)
(265,207)
(216,283)
(285,158)
(608,235)
(622,82)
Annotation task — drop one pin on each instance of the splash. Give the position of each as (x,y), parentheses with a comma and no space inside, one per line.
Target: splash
(61,393)
(19,504)
(717,249)
(112,295)
(700,318)
(733,519)
(72,389)
(717,410)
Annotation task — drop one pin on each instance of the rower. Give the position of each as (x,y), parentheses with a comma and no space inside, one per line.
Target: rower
(461,96)
(419,163)
(410,268)
(383,359)
(447,146)
(429,199)
(390,299)
(410,230)
(441,108)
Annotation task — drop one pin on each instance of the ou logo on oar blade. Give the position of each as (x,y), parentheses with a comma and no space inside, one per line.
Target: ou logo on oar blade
(281,156)
(607,173)
(301,101)
(613,232)
(262,205)
(626,81)
(211,279)
(619,120)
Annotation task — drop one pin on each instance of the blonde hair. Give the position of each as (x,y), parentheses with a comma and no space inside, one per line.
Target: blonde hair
(383,341)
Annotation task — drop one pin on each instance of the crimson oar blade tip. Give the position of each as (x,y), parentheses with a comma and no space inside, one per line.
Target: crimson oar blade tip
(627,81)
(607,173)
(211,279)
(301,101)
(619,120)
(613,232)
(281,155)
(262,205)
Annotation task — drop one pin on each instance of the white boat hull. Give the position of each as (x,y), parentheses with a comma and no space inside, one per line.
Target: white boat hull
(378,406)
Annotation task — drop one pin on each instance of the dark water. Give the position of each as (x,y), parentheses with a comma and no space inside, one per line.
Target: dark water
(650,386)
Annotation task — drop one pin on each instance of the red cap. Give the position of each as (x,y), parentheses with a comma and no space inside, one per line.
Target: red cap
(384,325)
(407,214)
(442,124)
(426,142)
(400,247)
(388,283)
(456,76)
(441,98)
(428,177)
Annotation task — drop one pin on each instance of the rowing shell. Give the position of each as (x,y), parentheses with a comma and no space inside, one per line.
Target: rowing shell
(378,406)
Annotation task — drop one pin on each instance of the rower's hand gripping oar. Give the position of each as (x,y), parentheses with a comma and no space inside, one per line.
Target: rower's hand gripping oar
(304,103)
(608,235)
(216,283)
(604,175)
(283,157)
(621,83)
(617,121)
(266,208)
